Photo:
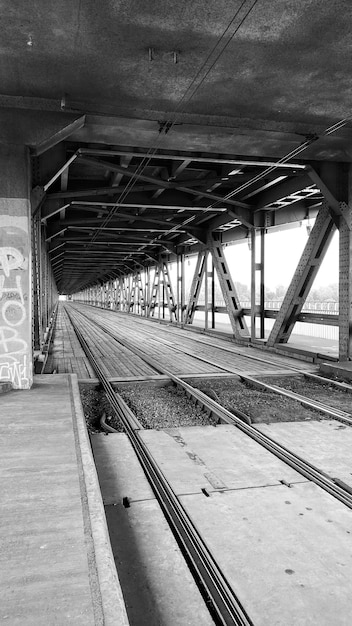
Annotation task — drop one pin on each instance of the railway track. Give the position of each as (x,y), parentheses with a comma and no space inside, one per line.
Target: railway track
(275,361)
(335,413)
(226,606)
(333,486)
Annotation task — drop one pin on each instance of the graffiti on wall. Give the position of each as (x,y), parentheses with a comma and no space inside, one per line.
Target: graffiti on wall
(15,348)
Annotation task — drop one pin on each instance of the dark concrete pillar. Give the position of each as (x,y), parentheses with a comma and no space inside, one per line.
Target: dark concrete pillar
(15,268)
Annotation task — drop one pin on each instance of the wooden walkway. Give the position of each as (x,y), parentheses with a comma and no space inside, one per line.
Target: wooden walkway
(177,350)
(66,355)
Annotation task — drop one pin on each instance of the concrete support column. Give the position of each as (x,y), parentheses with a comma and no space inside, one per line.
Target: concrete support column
(15,268)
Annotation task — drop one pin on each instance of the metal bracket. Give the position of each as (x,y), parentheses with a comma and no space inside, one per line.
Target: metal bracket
(346,212)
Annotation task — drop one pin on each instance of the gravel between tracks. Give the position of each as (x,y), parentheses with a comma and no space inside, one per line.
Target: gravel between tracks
(168,407)
(261,406)
(95,405)
(163,407)
(154,407)
(324,392)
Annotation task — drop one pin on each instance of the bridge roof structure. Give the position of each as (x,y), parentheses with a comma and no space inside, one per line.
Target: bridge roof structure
(153,124)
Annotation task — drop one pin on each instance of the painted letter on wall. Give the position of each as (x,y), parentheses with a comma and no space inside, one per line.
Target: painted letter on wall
(15,300)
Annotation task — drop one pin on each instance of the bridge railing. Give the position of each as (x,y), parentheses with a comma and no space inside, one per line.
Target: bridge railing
(317,319)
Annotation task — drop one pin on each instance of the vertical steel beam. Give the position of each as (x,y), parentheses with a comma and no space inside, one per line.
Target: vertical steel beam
(206,292)
(140,294)
(131,290)
(262,284)
(304,276)
(111,292)
(345,284)
(132,294)
(253,284)
(125,293)
(212,294)
(119,294)
(146,290)
(159,291)
(183,289)
(178,287)
(163,294)
(36,281)
(257,309)
(180,264)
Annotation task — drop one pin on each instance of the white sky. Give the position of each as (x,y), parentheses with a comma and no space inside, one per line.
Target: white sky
(282,253)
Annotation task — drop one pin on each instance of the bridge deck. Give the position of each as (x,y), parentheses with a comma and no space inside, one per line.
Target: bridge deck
(179,351)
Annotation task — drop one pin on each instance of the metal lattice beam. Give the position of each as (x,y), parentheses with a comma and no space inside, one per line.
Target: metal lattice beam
(195,288)
(304,276)
(234,308)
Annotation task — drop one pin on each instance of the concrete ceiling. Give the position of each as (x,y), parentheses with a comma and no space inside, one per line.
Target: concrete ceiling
(251,80)
(281,74)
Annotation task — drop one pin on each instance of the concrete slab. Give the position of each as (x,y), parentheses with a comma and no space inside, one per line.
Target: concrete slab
(120,473)
(326,444)
(55,554)
(285,551)
(215,458)
(157,585)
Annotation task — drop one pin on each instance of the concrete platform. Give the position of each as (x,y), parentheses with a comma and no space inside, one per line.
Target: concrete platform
(56,565)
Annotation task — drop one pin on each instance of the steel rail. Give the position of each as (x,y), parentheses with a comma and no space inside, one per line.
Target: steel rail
(338,414)
(316,405)
(317,377)
(226,606)
(333,486)
(323,380)
(231,349)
